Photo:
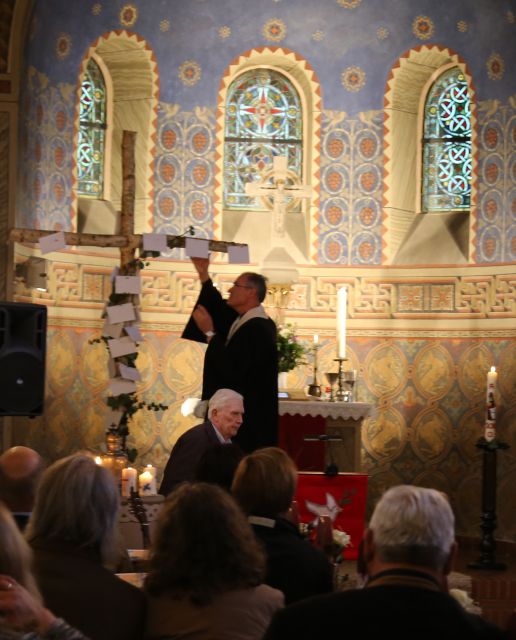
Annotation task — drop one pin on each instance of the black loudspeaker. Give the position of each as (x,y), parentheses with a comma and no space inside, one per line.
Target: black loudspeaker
(23,337)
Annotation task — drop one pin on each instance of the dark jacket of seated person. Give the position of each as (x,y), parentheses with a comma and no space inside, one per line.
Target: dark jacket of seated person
(264,485)
(73,534)
(225,411)
(408,551)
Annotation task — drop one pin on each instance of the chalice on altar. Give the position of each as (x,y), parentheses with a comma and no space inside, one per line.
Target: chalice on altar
(332,378)
(350,377)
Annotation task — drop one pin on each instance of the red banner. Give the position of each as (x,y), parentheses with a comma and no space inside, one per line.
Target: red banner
(342,497)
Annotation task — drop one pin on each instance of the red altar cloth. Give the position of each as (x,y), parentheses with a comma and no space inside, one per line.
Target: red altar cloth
(308,456)
(342,497)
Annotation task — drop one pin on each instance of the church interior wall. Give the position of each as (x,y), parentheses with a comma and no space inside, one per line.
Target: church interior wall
(421,338)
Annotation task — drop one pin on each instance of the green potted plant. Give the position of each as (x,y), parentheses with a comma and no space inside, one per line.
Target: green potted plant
(291,351)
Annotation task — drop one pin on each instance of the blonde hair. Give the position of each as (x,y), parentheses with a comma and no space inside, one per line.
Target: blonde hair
(15,553)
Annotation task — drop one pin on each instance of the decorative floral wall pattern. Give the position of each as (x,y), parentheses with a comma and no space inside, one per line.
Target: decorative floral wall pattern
(421,342)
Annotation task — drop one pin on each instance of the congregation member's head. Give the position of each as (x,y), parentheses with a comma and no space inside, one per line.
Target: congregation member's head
(203,546)
(410,526)
(20,473)
(226,412)
(265,482)
(77,502)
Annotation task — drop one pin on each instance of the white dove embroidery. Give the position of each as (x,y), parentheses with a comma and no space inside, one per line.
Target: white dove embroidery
(331,508)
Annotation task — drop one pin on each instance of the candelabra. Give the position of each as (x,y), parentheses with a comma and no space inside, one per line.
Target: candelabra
(490,445)
(315,389)
(341,394)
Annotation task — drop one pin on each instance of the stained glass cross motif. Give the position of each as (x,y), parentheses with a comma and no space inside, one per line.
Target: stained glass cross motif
(447,144)
(263,120)
(280,191)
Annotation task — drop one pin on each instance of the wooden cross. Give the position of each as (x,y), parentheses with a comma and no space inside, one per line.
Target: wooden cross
(280,193)
(127,241)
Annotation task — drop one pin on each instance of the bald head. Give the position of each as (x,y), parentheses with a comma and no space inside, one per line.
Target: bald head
(20,471)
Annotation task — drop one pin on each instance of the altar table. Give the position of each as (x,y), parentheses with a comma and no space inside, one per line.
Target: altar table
(301,419)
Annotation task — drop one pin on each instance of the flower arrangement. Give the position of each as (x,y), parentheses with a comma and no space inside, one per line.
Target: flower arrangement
(290,351)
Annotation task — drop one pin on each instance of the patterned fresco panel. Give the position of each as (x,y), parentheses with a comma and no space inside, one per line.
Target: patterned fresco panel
(385,370)
(422,344)
(432,431)
(351,187)
(384,434)
(433,371)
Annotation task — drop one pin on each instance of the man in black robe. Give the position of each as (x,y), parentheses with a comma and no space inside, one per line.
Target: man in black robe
(242,353)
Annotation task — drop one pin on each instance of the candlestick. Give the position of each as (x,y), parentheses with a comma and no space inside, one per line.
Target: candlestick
(147,483)
(128,481)
(314,389)
(342,395)
(342,299)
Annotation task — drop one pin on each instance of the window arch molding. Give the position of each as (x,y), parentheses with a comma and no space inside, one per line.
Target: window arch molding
(134,102)
(304,79)
(407,87)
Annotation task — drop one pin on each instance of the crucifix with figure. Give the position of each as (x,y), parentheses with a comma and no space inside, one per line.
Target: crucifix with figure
(280,192)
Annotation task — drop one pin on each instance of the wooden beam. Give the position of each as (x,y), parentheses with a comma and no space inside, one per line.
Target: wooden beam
(134,241)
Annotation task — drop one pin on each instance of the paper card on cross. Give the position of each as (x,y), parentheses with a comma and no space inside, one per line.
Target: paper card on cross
(112,330)
(238,255)
(134,333)
(113,418)
(154,242)
(128,284)
(53,242)
(197,248)
(121,347)
(118,386)
(129,373)
(112,370)
(121,313)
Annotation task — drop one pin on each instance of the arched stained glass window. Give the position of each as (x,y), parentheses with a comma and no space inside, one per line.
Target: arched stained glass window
(92,132)
(263,119)
(447,144)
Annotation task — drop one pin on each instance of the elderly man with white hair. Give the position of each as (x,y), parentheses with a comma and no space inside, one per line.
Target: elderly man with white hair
(408,550)
(225,415)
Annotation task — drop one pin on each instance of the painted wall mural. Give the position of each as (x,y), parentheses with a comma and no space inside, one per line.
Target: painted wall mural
(421,339)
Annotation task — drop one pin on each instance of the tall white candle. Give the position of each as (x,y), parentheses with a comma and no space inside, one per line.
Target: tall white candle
(316,338)
(491,381)
(342,303)
(128,481)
